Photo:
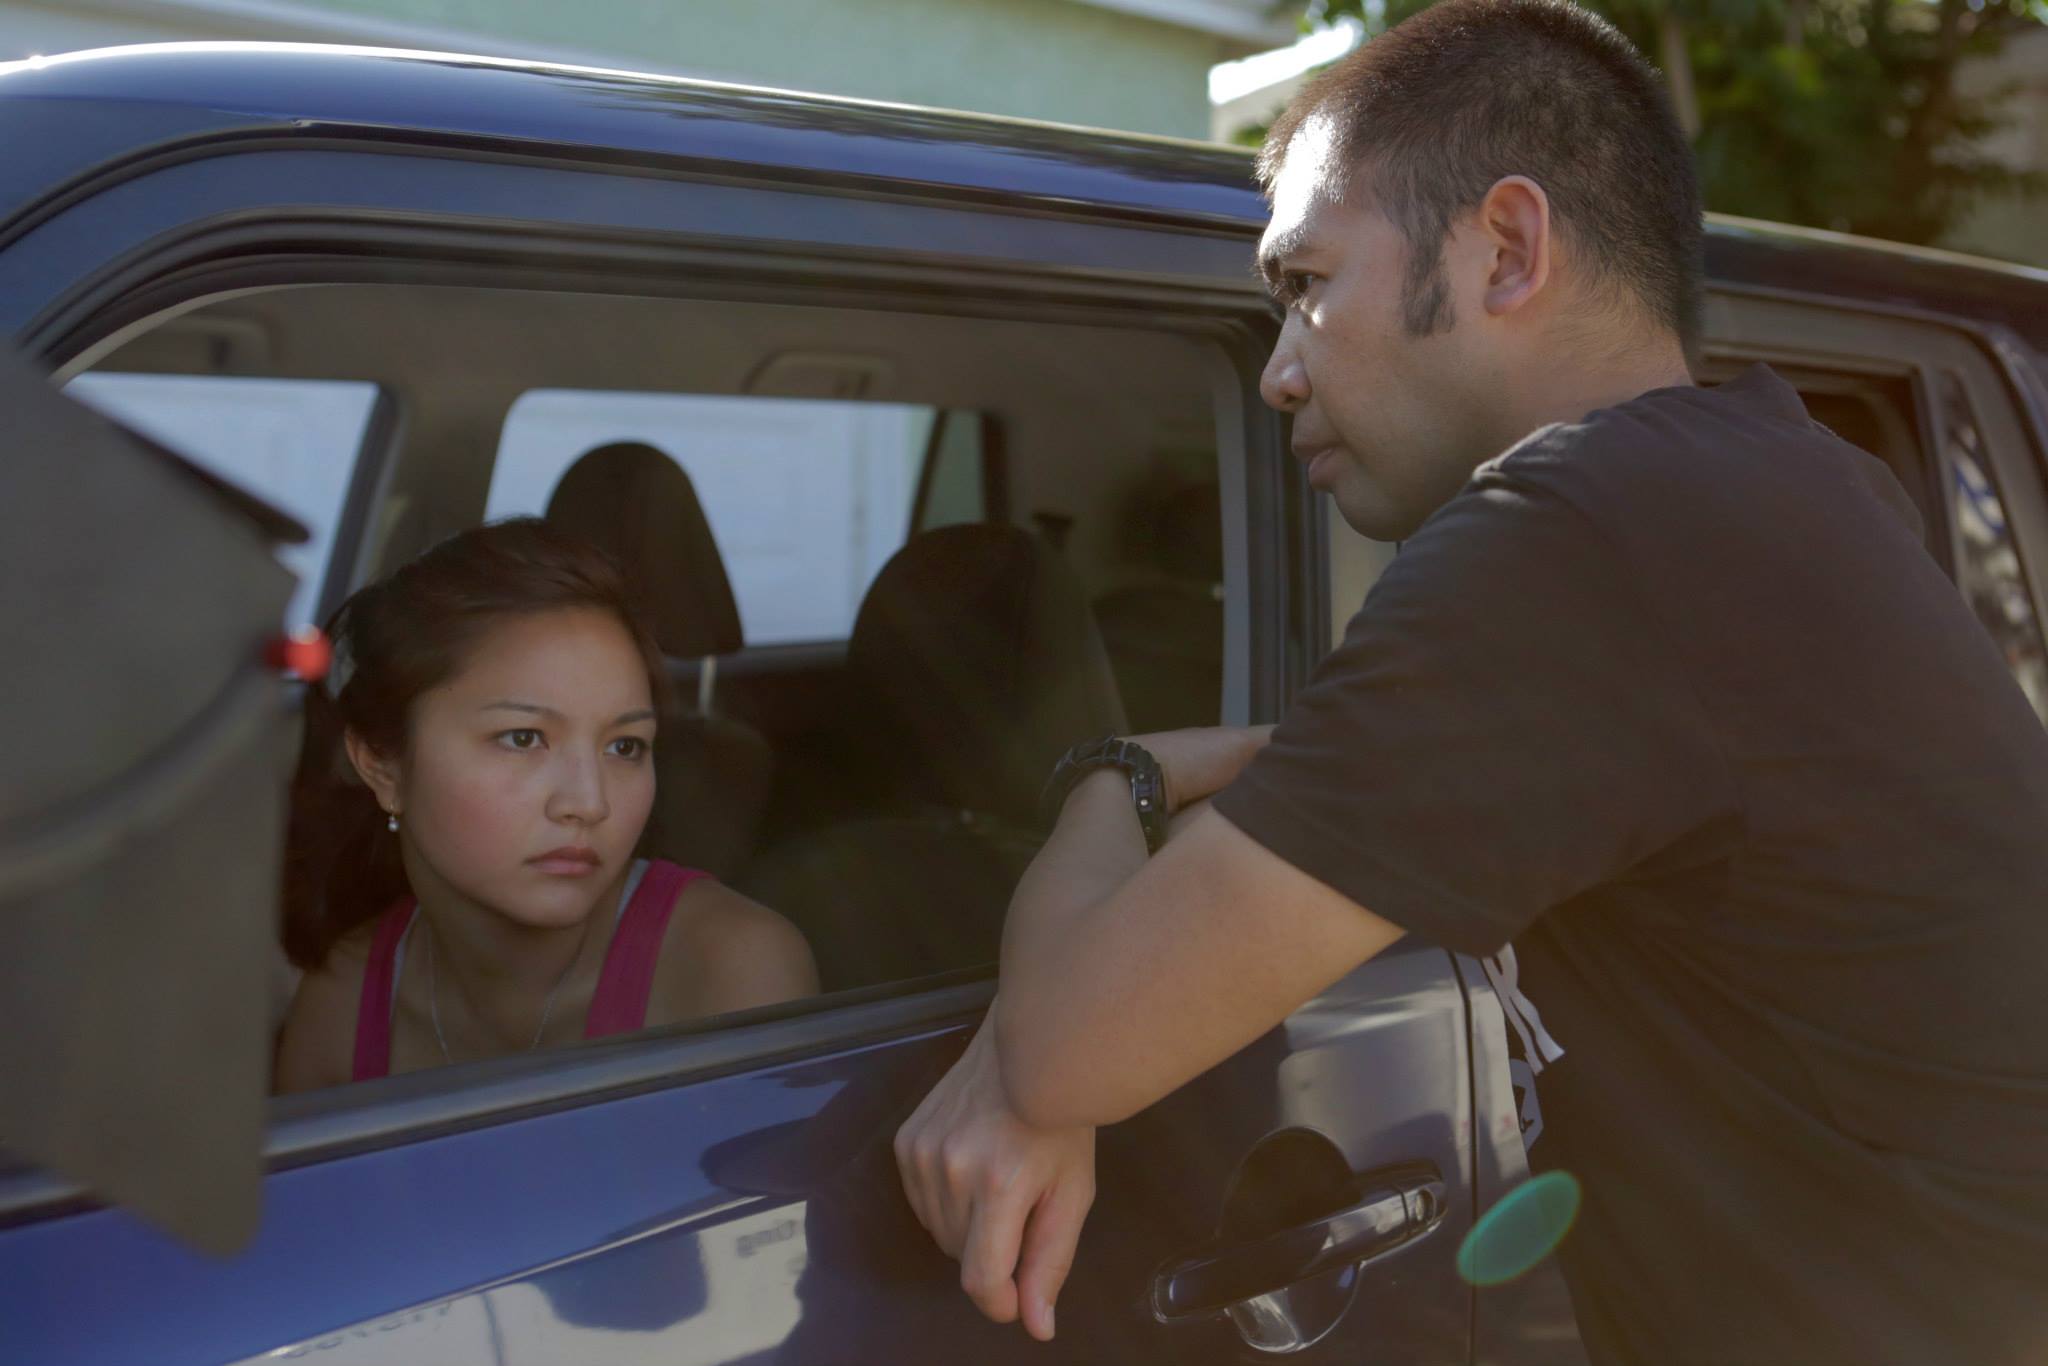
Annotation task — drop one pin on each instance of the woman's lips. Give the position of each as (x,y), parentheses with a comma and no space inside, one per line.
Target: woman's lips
(567,862)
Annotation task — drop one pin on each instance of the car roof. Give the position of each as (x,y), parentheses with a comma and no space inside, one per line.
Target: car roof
(116,107)
(133,101)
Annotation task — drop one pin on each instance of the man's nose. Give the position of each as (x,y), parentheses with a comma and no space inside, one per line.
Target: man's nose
(1284,382)
(579,794)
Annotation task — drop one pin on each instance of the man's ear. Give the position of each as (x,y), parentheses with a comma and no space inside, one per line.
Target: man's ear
(1514,226)
(378,771)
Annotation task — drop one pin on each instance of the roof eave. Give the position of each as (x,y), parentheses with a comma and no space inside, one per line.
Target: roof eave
(1246,25)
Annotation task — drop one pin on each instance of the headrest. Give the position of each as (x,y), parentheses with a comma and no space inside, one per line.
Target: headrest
(977,644)
(635,501)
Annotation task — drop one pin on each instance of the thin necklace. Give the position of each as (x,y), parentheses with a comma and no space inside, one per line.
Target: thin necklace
(547,1007)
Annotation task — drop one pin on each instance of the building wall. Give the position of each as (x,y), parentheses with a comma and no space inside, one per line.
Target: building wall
(2013,227)
(1045,59)
(31,29)
(1034,58)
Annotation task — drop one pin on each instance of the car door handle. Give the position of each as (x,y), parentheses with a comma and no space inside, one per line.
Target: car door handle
(1222,1274)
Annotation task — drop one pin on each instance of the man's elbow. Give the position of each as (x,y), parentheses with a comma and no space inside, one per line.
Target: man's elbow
(1047,1091)
(1038,1101)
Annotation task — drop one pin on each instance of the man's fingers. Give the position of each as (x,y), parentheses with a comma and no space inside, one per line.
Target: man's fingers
(928,1185)
(1050,1239)
(988,1261)
(911,1171)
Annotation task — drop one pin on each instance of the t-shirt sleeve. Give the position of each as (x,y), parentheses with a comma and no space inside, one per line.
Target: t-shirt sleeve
(1505,725)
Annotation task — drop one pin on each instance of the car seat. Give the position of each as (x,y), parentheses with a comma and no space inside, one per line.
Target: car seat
(712,772)
(973,664)
(1165,634)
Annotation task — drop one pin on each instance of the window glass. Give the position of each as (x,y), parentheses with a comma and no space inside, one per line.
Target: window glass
(819,782)
(954,491)
(806,497)
(1987,559)
(292,442)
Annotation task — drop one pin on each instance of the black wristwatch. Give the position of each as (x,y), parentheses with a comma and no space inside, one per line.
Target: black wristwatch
(1148,782)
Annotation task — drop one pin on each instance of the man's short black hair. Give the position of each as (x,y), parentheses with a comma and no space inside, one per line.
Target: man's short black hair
(1441,106)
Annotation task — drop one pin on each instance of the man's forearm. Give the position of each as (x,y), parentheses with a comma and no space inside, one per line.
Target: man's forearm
(1093,850)
(1093,916)
(1098,844)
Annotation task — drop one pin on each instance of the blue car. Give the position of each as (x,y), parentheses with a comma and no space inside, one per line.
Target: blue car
(398,294)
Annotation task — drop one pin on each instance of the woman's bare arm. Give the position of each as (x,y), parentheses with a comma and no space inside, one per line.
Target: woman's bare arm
(726,952)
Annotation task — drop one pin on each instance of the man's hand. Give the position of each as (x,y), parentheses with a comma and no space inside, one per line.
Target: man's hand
(1005,1199)
(1201,761)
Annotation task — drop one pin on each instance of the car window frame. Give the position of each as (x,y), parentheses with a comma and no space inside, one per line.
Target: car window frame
(1272,537)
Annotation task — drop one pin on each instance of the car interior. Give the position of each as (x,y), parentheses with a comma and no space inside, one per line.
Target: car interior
(1053,569)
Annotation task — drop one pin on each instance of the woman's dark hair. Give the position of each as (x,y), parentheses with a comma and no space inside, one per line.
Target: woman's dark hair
(393,640)
(1438,108)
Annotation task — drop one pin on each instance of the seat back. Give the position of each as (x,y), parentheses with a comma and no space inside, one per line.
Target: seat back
(974,664)
(976,648)
(1164,632)
(712,772)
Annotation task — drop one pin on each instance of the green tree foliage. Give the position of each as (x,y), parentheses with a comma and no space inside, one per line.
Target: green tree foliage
(1841,114)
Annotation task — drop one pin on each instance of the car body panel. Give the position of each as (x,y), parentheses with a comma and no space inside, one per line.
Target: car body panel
(67,251)
(713,1220)
(106,110)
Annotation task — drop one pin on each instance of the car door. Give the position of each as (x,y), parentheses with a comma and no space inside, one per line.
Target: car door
(726,1192)
(670,1216)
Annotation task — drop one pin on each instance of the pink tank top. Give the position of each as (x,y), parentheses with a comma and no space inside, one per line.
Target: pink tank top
(619,1006)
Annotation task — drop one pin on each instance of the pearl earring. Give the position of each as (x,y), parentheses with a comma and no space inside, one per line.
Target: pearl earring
(391,822)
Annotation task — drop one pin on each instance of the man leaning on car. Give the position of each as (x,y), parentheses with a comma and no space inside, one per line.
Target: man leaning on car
(1770,859)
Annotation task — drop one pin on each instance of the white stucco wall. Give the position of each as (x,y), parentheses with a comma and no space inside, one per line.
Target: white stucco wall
(1140,65)
(2014,227)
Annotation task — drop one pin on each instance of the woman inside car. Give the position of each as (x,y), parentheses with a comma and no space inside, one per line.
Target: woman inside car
(461,881)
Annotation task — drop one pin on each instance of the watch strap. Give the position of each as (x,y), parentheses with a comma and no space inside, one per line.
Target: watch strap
(1147,779)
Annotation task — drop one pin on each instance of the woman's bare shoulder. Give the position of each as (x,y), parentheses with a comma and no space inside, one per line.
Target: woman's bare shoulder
(725,951)
(717,919)
(316,1047)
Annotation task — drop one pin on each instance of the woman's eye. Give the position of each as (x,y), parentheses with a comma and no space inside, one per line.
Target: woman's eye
(630,747)
(1297,284)
(521,739)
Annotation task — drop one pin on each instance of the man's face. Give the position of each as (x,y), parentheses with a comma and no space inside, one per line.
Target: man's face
(1390,423)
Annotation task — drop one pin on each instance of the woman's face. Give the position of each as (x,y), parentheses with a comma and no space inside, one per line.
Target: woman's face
(529,775)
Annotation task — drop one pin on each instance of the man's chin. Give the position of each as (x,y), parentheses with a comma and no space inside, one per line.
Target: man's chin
(1372,516)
